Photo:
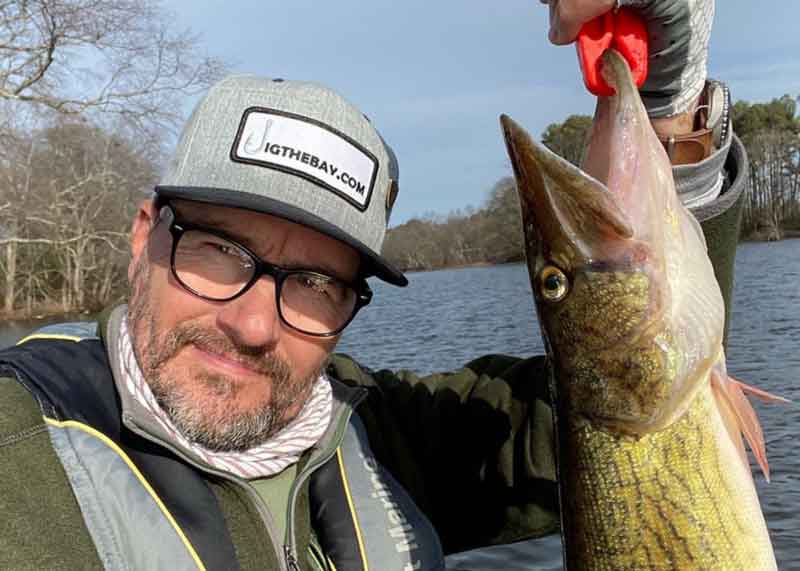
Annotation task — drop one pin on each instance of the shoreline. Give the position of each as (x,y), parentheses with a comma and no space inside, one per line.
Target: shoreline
(786,234)
(460,267)
(754,237)
(43,314)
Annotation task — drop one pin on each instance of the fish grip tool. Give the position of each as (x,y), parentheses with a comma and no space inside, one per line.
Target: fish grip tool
(623,30)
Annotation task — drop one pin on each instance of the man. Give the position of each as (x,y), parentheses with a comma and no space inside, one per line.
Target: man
(207,425)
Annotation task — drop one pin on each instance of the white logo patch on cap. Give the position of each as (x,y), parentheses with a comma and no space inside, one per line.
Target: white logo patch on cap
(307,148)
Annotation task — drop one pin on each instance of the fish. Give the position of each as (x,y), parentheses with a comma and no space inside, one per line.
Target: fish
(649,427)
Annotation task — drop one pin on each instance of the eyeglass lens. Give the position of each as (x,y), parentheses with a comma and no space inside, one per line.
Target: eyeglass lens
(219,269)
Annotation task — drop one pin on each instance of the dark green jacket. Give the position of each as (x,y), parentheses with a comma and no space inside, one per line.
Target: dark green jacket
(473,447)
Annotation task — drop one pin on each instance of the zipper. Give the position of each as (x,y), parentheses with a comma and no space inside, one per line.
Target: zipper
(291,560)
(319,557)
(289,546)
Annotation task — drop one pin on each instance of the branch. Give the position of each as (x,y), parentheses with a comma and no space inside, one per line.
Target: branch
(49,50)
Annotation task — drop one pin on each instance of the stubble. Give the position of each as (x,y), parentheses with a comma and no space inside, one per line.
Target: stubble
(209,420)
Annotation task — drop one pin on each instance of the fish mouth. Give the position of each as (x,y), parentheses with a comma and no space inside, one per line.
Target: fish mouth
(580,213)
(568,210)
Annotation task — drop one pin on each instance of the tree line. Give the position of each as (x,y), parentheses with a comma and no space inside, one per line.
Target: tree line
(771,134)
(492,233)
(91,92)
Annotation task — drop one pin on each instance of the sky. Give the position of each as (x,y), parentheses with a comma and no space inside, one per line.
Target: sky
(435,75)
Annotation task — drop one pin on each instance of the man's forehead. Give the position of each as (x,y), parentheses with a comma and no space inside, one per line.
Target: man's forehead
(276,239)
(212,215)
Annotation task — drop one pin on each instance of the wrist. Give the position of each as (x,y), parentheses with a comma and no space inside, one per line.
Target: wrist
(701,184)
(683,142)
(679,124)
(693,135)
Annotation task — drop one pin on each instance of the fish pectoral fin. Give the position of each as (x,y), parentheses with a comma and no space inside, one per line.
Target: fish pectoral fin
(739,416)
(729,417)
(758,393)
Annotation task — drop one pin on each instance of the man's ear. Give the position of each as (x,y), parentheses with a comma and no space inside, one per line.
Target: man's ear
(143,223)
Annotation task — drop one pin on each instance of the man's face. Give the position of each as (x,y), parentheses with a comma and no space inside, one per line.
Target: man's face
(230,374)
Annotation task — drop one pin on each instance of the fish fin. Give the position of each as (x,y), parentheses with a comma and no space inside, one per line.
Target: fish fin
(729,416)
(758,393)
(740,417)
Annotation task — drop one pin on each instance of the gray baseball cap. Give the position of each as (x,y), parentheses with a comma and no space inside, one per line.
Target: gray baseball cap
(295,150)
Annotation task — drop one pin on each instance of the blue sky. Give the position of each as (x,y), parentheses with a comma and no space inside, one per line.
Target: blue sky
(434,75)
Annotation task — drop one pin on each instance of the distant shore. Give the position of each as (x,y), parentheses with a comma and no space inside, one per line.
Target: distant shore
(44,314)
(765,236)
(753,237)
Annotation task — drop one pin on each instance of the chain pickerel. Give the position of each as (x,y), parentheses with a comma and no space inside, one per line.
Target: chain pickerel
(652,468)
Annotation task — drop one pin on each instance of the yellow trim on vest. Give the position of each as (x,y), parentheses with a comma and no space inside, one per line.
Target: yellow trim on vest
(59,336)
(319,558)
(121,453)
(352,510)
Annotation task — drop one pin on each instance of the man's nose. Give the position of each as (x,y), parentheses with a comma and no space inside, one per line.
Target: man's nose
(252,318)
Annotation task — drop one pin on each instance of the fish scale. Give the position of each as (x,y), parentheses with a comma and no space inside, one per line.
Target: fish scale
(670,500)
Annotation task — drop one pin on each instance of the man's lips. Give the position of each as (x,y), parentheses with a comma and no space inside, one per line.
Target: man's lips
(221,362)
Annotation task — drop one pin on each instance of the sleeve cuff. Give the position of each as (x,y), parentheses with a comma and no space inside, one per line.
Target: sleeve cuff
(730,163)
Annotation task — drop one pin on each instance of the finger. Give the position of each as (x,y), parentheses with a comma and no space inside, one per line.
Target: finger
(556,23)
(568,16)
(563,33)
(563,30)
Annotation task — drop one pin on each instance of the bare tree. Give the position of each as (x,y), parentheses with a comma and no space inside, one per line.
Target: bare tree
(15,178)
(89,91)
(117,57)
(771,133)
(66,247)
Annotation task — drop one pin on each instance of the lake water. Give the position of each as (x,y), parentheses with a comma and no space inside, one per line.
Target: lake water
(446,318)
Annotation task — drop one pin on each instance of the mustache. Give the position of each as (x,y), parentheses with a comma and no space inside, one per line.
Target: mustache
(256,358)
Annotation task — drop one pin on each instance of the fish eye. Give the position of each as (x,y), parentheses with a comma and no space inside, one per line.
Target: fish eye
(553,284)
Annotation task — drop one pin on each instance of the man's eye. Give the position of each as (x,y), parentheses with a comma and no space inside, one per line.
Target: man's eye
(316,284)
(224,249)
(231,251)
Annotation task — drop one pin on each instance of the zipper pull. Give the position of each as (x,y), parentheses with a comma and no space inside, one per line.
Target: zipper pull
(291,562)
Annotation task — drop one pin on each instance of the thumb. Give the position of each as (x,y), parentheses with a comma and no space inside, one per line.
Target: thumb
(568,16)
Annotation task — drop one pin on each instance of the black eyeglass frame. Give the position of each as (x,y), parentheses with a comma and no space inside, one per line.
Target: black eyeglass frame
(262,268)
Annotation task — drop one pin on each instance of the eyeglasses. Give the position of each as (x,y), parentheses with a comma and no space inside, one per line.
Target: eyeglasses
(211,266)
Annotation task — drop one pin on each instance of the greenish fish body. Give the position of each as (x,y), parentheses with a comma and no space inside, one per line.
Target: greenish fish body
(652,469)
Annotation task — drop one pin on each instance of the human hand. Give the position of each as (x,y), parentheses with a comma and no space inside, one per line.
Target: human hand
(678,33)
(568,16)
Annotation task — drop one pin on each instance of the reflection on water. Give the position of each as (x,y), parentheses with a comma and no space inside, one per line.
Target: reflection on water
(444,319)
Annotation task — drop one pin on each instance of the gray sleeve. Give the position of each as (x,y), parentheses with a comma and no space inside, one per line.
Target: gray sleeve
(679,31)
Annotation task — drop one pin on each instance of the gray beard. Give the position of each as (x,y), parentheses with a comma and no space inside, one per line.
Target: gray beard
(221,432)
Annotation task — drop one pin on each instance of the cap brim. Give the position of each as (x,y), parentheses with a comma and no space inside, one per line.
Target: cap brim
(373,263)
